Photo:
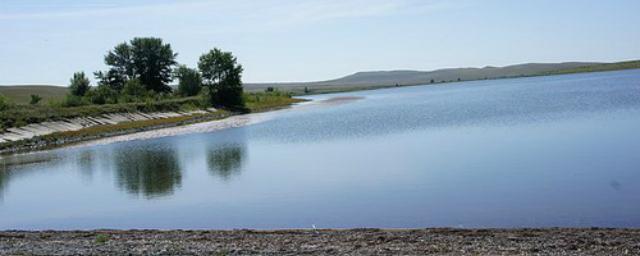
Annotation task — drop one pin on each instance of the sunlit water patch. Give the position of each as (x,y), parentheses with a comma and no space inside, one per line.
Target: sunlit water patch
(530,152)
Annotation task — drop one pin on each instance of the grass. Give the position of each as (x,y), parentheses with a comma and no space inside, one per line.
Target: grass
(22,94)
(262,101)
(20,115)
(255,102)
(102,238)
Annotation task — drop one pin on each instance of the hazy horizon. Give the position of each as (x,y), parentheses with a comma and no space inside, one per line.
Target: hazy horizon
(291,41)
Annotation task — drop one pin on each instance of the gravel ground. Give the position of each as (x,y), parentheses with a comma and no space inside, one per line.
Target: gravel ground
(325,242)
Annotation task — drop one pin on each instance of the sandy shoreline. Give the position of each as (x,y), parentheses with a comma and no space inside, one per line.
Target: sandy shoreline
(556,241)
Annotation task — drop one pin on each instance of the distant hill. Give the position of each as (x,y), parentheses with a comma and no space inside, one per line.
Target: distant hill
(21,94)
(375,79)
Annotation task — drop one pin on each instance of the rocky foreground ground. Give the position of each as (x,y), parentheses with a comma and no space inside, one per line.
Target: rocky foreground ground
(325,242)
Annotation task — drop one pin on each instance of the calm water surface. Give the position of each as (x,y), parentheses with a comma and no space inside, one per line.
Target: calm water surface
(531,152)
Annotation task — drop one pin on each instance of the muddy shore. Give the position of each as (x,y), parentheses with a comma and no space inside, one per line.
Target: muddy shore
(559,241)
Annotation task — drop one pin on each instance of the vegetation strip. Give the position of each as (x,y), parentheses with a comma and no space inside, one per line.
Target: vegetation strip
(256,103)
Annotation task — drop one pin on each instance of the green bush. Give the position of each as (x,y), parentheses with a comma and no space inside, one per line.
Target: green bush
(4,102)
(102,238)
(102,95)
(35,99)
(134,89)
(73,101)
(79,84)
(190,81)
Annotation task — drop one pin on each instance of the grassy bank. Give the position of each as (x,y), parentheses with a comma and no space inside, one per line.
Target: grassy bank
(17,115)
(255,102)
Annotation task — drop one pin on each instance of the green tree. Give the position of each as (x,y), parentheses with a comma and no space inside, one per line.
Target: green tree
(120,59)
(223,76)
(190,81)
(144,58)
(79,84)
(35,99)
(153,62)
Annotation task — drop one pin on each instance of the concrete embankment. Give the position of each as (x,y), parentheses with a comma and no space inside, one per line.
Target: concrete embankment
(36,130)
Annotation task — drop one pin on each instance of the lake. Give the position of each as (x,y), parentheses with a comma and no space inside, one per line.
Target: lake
(528,152)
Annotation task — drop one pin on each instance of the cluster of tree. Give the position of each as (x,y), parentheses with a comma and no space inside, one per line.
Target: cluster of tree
(144,67)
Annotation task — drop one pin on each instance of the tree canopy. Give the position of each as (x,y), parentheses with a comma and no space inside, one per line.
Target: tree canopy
(145,58)
(222,75)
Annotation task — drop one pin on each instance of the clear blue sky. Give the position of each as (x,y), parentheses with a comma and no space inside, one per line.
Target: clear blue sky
(44,42)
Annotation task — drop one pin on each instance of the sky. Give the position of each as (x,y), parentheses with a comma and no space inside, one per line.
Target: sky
(45,42)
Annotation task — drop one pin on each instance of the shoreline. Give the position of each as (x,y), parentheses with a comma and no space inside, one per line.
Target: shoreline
(94,133)
(363,241)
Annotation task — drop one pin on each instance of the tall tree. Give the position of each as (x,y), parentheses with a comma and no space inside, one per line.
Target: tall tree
(79,84)
(147,59)
(223,75)
(153,62)
(120,60)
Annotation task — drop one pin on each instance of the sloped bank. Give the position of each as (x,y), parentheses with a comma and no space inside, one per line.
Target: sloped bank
(58,133)
(45,128)
(50,134)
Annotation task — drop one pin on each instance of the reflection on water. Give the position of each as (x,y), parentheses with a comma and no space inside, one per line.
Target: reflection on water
(226,161)
(152,172)
(532,152)
(13,166)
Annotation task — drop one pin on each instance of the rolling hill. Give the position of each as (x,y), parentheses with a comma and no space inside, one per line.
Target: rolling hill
(21,94)
(376,79)
(373,79)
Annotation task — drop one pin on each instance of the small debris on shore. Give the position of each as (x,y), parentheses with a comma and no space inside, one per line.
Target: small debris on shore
(557,241)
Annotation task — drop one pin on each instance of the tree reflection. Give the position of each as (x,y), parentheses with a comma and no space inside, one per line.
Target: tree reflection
(226,161)
(4,179)
(85,162)
(150,172)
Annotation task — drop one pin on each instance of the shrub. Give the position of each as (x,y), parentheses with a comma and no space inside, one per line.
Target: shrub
(79,84)
(103,95)
(134,88)
(73,101)
(190,81)
(35,99)
(102,238)
(4,103)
